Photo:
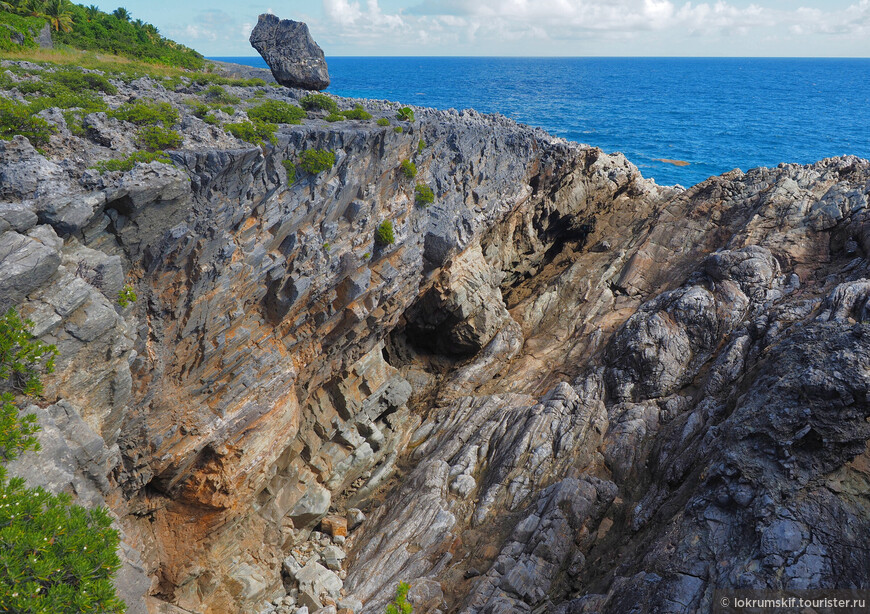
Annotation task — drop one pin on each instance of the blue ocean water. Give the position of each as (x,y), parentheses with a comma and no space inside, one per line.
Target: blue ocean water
(714,113)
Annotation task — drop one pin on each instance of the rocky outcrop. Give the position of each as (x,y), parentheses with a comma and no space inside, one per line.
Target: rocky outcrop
(295,59)
(564,388)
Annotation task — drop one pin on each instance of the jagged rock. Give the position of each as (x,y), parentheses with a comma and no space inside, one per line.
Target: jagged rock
(333,557)
(16,216)
(25,264)
(336,526)
(355,518)
(295,59)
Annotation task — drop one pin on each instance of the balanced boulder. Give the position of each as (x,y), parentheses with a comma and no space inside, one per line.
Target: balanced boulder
(295,59)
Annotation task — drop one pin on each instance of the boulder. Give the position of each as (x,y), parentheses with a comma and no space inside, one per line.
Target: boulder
(295,59)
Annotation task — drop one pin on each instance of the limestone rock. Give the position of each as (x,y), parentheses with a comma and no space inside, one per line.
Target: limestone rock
(336,526)
(295,59)
(25,264)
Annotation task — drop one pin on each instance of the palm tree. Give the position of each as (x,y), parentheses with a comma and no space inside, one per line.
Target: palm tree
(93,12)
(121,13)
(5,6)
(57,12)
(32,7)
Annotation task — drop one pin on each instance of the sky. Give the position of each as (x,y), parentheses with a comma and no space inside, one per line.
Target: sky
(789,28)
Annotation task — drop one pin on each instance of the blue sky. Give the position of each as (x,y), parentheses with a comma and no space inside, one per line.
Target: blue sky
(527,27)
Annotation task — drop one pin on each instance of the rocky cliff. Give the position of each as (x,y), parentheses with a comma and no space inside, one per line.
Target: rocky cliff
(563,387)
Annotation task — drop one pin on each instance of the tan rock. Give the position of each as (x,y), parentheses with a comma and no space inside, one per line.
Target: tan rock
(335,526)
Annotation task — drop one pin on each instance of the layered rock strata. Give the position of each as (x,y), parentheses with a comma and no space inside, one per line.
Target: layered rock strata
(563,387)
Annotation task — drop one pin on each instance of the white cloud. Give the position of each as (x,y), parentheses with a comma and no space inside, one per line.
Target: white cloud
(443,23)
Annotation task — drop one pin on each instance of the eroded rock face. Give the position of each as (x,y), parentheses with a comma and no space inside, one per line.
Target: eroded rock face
(564,388)
(295,59)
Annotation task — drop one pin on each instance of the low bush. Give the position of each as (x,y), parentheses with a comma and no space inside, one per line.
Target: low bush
(158,138)
(316,161)
(277,112)
(22,357)
(127,164)
(89,102)
(398,129)
(423,195)
(256,132)
(126,295)
(17,119)
(215,93)
(400,604)
(405,114)
(408,168)
(291,171)
(358,112)
(384,234)
(383,122)
(314,102)
(335,117)
(421,146)
(147,113)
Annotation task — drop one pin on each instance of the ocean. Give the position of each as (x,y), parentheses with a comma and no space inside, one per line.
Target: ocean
(710,115)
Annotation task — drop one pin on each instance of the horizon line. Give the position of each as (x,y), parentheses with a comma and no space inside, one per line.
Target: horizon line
(590,57)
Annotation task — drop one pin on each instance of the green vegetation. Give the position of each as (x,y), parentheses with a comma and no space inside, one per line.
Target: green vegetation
(291,171)
(54,556)
(384,234)
(277,112)
(314,102)
(256,132)
(408,168)
(67,89)
(398,129)
(158,138)
(217,94)
(326,247)
(147,113)
(423,195)
(358,112)
(335,117)
(383,122)
(421,146)
(400,604)
(23,27)
(126,295)
(405,114)
(16,118)
(127,164)
(316,161)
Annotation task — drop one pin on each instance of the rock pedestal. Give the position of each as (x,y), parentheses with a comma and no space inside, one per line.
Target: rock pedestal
(295,59)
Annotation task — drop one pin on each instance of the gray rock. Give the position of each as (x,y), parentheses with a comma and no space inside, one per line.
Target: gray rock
(332,557)
(25,264)
(355,518)
(17,216)
(44,39)
(295,59)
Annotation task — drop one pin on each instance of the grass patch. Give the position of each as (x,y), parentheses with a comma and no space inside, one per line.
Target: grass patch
(335,117)
(158,138)
(217,94)
(358,112)
(316,161)
(383,122)
(17,119)
(127,164)
(421,146)
(256,132)
(147,113)
(291,171)
(277,112)
(398,129)
(315,102)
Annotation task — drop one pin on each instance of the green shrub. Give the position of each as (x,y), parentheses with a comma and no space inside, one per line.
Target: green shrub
(89,102)
(358,112)
(335,117)
(52,83)
(127,164)
(421,146)
(291,171)
(316,161)
(74,122)
(398,129)
(405,114)
(126,295)
(211,120)
(54,556)
(400,604)
(147,113)
(423,195)
(383,122)
(277,112)
(313,102)
(158,138)
(256,132)
(384,234)
(215,93)
(408,168)
(16,119)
